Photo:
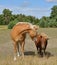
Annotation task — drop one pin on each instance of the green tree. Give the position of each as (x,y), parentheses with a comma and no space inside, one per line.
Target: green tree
(54,12)
(52,23)
(12,23)
(2,20)
(43,22)
(36,21)
(7,15)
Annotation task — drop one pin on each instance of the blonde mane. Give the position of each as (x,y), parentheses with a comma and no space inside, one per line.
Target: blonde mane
(31,25)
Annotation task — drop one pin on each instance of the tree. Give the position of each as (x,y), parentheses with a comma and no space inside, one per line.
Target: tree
(7,15)
(1,19)
(43,22)
(12,23)
(52,23)
(53,12)
(36,22)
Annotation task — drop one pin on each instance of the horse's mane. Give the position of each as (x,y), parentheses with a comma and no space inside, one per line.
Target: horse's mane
(27,23)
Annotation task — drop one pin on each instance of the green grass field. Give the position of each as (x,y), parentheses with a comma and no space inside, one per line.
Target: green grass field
(31,58)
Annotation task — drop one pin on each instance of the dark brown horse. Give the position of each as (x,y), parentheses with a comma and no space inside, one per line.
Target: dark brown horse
(41,43)
(18,35)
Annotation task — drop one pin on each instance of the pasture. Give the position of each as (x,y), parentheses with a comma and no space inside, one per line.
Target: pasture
(31,57)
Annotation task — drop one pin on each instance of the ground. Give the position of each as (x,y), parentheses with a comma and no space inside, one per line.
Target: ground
(31,57)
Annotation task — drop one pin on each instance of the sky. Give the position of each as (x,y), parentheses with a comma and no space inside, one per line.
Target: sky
(37,8)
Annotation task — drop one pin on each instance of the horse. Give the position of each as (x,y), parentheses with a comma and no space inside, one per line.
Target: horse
(18,35)
(41,43)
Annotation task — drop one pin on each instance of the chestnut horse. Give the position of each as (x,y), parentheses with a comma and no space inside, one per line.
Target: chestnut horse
(41,43)
(18,35)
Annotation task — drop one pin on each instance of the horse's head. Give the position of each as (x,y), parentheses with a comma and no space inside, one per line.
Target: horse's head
(33,31)
(35,27)
(41,42)
(32,34)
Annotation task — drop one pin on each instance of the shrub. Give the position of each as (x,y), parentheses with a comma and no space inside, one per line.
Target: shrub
(43,23)
(52,24)
(12,23)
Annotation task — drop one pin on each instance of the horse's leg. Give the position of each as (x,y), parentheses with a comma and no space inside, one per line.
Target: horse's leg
(18,53)
(15,50)
(45,47)
(22,47)
(43,52)
(40,51)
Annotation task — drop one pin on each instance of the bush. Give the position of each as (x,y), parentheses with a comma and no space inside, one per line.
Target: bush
(52,24)
(12,23)
(43,23)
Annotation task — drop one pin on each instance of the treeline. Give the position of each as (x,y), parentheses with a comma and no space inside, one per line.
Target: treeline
(7,18)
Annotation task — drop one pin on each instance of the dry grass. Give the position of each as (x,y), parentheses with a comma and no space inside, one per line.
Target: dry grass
(3,27)
(31,58)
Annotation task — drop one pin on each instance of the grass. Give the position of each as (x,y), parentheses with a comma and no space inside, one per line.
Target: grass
(31,58)
(3,27)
